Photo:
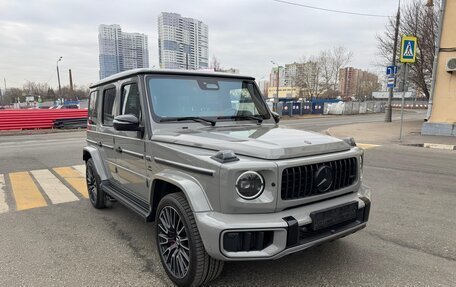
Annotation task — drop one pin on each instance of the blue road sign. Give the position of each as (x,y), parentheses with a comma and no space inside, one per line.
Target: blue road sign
(390,82)
(391,70)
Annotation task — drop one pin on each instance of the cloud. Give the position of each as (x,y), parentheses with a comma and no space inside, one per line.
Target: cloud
(242,34)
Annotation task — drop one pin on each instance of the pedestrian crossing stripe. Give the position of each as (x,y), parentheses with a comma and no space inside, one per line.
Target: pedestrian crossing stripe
(38,188)
(73,178)
(366,145)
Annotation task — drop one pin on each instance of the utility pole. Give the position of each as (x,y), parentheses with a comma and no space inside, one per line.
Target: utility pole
(276,100)
(58,78)
(186,60)
(388,110)
(4,94)
(71,82)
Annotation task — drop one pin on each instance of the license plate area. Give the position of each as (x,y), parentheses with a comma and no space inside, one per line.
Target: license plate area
(334,215)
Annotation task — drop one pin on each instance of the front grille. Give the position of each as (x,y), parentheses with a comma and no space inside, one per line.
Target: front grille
(299,181)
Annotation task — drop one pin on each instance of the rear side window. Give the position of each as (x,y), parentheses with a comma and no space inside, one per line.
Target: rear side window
(109,107)
(93,110)
(130,102)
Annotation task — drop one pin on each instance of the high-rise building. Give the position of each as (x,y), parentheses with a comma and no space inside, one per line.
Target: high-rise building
(120,51)
(356,82)
(182,42)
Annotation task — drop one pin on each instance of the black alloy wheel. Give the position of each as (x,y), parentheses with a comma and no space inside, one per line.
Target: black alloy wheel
(179,244)
(97,196)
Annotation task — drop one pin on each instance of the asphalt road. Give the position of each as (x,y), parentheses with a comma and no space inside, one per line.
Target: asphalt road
(410,239)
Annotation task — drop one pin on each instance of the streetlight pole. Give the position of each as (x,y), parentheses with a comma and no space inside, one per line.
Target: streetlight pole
(58,78)
(388,110)
(278,79)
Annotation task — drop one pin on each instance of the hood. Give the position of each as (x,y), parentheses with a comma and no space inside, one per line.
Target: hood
(266,142)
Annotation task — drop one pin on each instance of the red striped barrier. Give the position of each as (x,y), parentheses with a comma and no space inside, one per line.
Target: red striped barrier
(36,118)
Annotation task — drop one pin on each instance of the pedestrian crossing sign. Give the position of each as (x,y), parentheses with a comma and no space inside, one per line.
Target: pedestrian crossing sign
(408,49)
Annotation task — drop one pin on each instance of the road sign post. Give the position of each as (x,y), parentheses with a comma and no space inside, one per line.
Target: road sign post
(408,55)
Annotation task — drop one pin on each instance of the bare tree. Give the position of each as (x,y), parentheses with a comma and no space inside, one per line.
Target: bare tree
(422,21)
(341,57)
(318,76)
(215,64)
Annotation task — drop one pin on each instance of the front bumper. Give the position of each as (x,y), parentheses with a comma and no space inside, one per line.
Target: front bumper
(288,228)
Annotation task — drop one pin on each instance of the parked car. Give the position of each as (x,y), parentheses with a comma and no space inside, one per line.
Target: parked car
(202,156)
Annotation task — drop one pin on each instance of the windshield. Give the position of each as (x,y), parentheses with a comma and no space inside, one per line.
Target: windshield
(216,98)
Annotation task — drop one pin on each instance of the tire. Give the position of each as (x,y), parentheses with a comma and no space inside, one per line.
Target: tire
(177,237)
(97,196)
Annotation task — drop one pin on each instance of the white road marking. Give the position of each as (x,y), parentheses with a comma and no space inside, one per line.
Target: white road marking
(366,146)
(54,188)
(3,205)
(80,169)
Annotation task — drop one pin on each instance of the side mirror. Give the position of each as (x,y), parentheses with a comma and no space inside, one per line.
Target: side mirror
(276,117)
(127,122)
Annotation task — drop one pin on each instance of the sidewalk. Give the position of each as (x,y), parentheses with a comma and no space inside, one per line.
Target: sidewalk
(388,133)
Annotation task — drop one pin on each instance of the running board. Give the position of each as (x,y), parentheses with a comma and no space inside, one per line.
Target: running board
(136,204)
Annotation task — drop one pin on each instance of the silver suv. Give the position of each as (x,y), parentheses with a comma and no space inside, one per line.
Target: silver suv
(202,156)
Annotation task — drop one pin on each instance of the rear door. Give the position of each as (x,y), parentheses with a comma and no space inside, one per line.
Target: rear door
(130,145)
(109,109)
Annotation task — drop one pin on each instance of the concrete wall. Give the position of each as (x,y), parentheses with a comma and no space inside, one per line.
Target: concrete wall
(443,116)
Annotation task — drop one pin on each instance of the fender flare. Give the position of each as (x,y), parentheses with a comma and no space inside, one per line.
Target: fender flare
(191,188)
(94,153)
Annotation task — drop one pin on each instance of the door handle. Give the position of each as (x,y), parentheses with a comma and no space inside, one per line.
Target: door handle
(119,149)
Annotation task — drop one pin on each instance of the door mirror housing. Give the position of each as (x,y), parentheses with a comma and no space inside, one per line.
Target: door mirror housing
(276,117)
(127,122)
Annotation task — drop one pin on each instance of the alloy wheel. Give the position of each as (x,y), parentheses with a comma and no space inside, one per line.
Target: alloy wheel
(91,185)
(173,242)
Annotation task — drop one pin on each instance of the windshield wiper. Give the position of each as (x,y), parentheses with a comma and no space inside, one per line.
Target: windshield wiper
(242,117)
(195,119)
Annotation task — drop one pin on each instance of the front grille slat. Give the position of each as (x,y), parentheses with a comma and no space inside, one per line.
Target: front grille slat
(299,181)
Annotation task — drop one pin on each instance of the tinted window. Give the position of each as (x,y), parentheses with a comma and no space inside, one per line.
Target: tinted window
(130,100)
(93,110)
(205,97)
(109,107)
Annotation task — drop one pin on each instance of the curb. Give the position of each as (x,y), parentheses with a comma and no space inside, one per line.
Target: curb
(440,146)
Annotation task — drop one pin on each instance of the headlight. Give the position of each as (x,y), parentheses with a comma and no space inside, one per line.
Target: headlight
(250,185)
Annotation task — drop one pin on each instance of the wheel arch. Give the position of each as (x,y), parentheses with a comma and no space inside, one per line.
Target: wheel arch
(93,153)
(170,181)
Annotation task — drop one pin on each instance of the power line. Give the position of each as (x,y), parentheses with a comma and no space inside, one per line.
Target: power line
(331,10)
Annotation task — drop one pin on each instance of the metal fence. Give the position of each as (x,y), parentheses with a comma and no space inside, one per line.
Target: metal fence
(354,108)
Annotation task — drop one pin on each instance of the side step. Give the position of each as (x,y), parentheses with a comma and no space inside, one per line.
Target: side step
(136,204)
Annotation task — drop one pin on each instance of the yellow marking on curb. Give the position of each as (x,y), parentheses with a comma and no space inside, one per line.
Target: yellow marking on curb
(74,178)
(367,146)
(25,191)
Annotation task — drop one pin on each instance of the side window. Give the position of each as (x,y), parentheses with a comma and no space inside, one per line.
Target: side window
(93,110)
(109,108)
(130,102)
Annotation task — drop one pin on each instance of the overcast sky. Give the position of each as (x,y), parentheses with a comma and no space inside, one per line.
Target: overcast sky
(244,34)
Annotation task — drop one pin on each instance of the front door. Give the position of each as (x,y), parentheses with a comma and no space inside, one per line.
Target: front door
(130,145)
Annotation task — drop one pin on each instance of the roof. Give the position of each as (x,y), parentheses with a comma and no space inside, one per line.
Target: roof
(133,72)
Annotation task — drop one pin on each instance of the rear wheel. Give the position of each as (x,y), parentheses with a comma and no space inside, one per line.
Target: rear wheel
(97,196)
(179,244)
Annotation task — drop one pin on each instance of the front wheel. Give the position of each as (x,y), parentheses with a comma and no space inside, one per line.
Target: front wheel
(179,244)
